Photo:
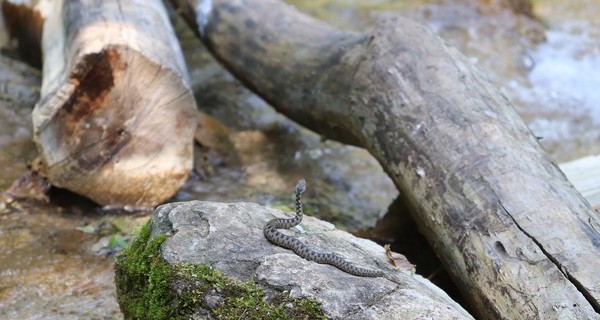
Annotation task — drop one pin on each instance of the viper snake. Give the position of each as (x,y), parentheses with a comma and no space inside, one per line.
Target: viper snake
(282,240)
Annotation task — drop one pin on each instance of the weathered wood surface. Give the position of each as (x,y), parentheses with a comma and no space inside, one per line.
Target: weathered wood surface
(518,239)
(116,117)
(584,173)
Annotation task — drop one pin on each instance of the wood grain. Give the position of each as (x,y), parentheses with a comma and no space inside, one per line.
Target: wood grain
(116,117)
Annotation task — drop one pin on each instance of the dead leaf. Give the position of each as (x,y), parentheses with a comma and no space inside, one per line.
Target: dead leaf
(397,260)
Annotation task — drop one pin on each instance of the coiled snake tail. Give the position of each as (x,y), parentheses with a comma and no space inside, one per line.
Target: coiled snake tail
(282,240)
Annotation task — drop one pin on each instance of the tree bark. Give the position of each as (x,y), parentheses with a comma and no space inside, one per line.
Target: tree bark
(116,117)
(518,239)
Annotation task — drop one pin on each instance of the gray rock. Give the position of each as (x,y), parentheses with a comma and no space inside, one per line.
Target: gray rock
(229,238)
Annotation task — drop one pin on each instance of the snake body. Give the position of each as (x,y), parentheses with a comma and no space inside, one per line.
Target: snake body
(282,240)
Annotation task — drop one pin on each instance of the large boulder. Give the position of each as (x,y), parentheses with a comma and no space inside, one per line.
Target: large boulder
(211,260)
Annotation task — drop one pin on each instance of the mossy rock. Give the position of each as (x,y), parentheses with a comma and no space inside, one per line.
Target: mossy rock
(210,260)
(150,288)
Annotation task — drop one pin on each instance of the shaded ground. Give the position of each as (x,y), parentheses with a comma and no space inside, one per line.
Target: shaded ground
(56,259)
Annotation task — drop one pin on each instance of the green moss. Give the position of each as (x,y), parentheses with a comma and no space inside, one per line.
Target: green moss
(146,287)
(242,300)
(143,279)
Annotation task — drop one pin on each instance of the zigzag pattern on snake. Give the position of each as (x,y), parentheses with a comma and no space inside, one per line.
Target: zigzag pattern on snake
(282,240)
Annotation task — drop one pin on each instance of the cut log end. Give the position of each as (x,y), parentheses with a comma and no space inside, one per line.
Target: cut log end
(119,131)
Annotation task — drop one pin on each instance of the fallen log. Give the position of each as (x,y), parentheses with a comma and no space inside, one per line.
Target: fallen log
(518,239)
(116,118)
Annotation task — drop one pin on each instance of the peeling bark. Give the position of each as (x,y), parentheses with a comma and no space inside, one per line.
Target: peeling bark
(518,239)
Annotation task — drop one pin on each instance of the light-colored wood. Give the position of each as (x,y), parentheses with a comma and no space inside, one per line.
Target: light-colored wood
(584,173)
(116,118)
(518,239)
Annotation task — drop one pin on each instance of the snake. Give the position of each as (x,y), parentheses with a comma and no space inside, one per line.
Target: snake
(285,241)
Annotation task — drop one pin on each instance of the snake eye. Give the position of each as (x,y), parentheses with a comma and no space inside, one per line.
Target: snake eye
(301,186)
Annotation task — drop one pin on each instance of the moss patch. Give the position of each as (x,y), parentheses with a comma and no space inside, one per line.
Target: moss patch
(149,288)
(143,278)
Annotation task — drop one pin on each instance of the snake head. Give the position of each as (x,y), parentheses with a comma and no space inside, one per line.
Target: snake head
(300,186)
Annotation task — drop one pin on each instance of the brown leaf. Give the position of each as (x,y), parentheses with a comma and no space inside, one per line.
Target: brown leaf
(397,260)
